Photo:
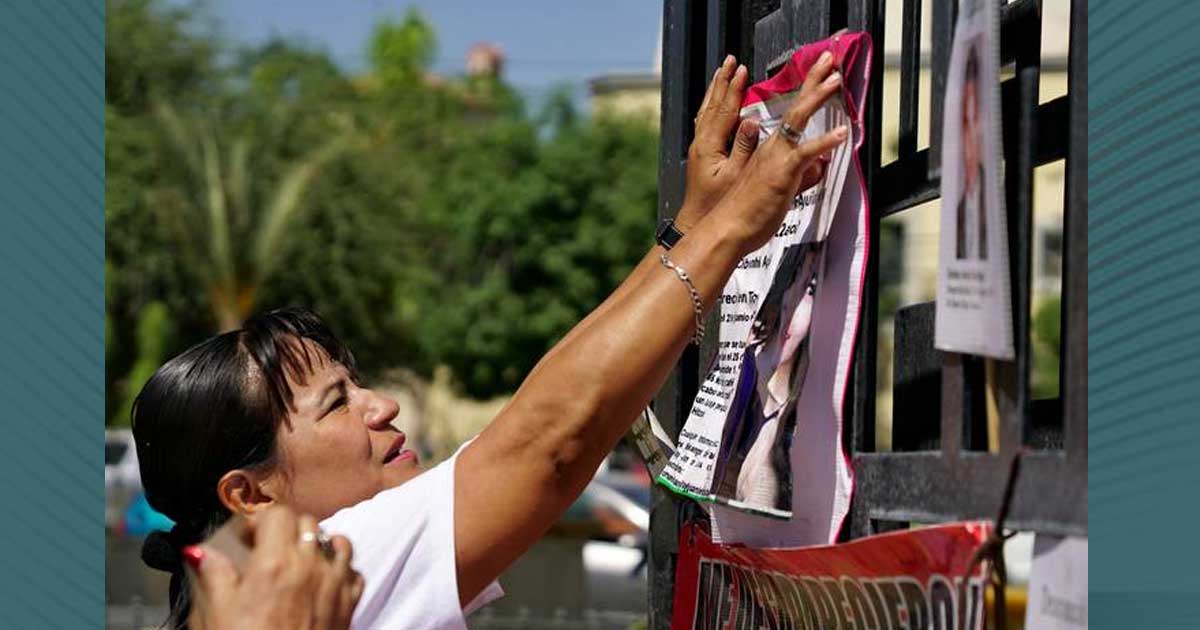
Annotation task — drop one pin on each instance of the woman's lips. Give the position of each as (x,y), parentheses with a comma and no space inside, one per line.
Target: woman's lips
(403,456)
(397,453)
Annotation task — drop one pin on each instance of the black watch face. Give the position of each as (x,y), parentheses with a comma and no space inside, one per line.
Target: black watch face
(667,234)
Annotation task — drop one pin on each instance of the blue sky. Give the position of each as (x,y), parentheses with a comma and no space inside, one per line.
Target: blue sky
(545,42)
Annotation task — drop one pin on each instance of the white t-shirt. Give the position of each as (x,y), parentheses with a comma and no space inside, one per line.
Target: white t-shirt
(403,542)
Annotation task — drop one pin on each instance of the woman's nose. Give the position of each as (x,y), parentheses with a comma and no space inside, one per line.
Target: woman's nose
(380,411)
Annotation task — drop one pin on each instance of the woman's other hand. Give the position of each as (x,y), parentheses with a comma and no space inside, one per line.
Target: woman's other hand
(712,166)
(762,194)
(288,581)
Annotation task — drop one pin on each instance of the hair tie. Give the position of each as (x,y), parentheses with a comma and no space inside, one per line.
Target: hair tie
(162,551)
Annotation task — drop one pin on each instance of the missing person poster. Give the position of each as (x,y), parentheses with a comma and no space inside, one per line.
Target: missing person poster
(974,311)
(920,578)
(764,432)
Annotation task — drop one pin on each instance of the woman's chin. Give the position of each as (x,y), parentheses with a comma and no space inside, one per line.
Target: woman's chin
(399,472)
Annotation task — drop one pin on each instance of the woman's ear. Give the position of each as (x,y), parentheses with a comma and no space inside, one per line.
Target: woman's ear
(246,492)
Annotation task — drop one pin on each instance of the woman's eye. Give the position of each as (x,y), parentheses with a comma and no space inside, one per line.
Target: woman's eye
(337,404)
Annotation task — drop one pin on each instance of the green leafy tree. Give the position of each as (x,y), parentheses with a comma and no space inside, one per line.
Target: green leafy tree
(152,51)
(1047,340)
(400,52)
(153,339)
(534,234)
(430,219)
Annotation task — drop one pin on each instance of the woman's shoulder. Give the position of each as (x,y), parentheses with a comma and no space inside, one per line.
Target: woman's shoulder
(411,497)
(403,541)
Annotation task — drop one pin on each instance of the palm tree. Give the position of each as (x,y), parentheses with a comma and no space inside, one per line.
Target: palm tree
(230,242)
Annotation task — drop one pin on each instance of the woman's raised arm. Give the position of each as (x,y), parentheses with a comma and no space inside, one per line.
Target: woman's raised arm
(537,456)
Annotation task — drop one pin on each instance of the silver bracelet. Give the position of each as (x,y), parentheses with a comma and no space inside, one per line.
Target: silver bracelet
(697,303)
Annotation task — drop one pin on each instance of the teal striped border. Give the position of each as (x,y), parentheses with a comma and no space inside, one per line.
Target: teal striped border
(51,313)
(1144,313)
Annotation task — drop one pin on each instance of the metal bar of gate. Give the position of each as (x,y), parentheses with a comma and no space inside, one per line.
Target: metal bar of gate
(682,80)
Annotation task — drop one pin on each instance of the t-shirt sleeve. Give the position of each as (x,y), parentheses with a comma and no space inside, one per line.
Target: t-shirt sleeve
(403,542)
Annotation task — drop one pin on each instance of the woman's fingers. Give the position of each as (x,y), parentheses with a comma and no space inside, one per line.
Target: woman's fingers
(712,89)
(811,99)
(721,84)
(819,71)
(744,143)
(309,537)
(349,596)
(327,601)
(733,95)
(727,112)
(811,150)
(335,593)
(217,579)
(343,553)
(813,174)
(718,111)
(350,580)
(707,98)
(821,83)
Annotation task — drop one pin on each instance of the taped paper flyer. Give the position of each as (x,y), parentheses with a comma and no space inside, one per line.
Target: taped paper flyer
(1058,584)
(974,306)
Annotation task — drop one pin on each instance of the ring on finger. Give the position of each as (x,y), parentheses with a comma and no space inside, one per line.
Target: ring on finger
(322,540)
(790,134)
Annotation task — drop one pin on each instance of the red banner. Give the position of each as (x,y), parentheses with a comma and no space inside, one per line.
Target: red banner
(909,580)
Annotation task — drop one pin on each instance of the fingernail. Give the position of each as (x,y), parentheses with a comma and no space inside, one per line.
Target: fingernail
(824,58)
(833,79)
(193,555)
(741,69)
(840,132)
(728,60)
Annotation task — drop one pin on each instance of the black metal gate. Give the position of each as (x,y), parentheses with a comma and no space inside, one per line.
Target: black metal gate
(939,397)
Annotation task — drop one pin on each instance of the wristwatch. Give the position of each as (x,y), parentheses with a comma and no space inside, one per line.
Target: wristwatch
(668,234)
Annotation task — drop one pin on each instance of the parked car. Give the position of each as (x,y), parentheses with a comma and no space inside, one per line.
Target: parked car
(122,478)
(613,513)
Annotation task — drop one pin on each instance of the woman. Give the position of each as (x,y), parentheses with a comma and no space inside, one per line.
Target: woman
(274,413)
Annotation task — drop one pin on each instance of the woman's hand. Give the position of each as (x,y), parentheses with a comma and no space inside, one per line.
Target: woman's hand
(287,582)
(712,167)
(756,203)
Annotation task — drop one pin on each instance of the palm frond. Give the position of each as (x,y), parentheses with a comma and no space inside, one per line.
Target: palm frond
(218,216)
(239,184)
(180,138)
(287,202)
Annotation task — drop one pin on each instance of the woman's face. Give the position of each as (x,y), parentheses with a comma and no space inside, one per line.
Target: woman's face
(338,446)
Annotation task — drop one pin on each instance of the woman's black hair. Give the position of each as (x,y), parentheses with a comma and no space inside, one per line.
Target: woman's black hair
(767,320)
(214,408)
